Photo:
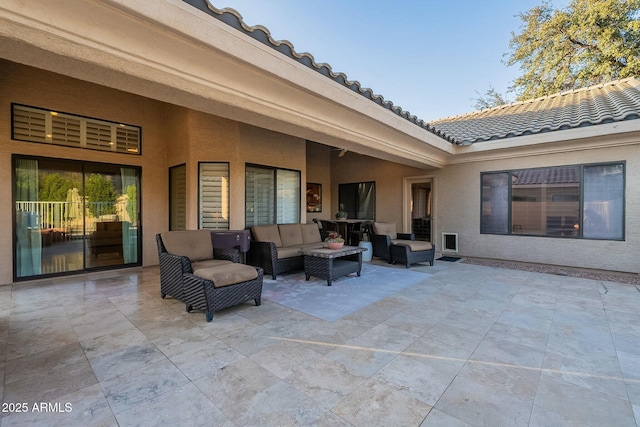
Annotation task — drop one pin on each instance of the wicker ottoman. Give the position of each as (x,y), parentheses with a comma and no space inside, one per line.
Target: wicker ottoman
(214,288)
(411,251)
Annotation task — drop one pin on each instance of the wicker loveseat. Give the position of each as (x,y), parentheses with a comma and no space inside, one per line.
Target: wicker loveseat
(399,247)
(204,278)
(276,248)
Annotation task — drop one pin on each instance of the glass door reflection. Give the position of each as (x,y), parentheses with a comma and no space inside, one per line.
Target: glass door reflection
(112,209)
(73,216)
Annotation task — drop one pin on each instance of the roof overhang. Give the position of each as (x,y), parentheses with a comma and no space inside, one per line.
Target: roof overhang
(556,142)
(175,53)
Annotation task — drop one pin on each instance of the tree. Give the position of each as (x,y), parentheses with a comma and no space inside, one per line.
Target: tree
(54,187)
(132,202)
(590,42)
(490,99)
(101,195)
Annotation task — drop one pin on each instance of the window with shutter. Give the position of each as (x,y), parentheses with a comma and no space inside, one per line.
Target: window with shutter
(29,125)
(213,195)
(39,125)
(99,136)
(178,198)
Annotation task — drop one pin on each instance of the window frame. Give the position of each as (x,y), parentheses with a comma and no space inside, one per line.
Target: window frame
(274,171)
(90,134)
(581,201)
(84,167)
(354,187)
(224,199)
(177,198)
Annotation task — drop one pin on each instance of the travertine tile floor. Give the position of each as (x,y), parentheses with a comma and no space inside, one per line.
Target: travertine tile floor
(469,346)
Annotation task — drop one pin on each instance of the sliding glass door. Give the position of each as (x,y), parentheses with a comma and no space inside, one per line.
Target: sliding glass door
(74,216)
(111,215)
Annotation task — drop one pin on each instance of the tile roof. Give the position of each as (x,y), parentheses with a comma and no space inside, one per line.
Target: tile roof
(600,104)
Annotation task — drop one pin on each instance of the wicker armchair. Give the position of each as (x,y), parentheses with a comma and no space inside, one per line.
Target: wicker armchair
(202,277)
(399,247)
(381,238)
(173,267)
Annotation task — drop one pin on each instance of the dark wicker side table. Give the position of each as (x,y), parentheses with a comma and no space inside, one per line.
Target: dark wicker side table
(329,264)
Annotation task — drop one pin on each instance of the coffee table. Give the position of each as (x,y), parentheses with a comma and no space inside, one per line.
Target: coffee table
(330,264)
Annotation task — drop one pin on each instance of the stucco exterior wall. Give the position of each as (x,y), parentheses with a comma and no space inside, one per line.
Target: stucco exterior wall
(319,172)
(215,139)
(42,89)
(458,211)
(171,136)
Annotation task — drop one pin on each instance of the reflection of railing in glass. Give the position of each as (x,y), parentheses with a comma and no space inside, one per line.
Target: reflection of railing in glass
(68,216)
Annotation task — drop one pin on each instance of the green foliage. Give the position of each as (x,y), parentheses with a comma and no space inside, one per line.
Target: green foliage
(101,195)
(132,203)
(490,99)
(26,186)
(590,42)
(54,187)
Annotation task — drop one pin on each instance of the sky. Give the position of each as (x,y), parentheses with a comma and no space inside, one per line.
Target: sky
(433,58)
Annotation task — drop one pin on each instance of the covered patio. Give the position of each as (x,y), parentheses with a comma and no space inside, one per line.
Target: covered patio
(465,345)
(456,344)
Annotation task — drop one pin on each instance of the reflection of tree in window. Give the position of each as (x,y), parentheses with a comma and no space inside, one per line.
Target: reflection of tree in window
(101,195)
(55,187)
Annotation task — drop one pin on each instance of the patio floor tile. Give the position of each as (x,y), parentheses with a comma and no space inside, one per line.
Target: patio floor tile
(466,346)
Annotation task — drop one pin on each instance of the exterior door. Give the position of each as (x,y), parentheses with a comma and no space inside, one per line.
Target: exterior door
(421,210)
(418,207)
(73,216)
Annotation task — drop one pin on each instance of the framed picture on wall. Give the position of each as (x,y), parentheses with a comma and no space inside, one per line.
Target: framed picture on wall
(314,197)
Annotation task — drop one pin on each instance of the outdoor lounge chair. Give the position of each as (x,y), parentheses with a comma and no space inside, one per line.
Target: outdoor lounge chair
(399,247)
(202,277)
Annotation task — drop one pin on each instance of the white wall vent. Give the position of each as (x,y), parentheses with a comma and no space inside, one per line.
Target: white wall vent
(450,242)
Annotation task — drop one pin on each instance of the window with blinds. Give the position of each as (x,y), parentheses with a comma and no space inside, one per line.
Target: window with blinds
(213,195)
(178,198)
(288,196)
(272,196)
(259,196)
(53,127)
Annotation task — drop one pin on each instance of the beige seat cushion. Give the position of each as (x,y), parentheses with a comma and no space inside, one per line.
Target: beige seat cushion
(414,245)
(194,244)
(227,274)
(318,245)
(289,252)
(310,233)
(267,233)
(209,263)
(385,229)
(290,234)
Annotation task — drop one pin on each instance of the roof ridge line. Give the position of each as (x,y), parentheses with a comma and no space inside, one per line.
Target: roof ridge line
(541,98)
